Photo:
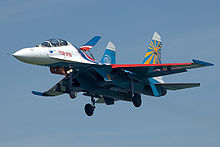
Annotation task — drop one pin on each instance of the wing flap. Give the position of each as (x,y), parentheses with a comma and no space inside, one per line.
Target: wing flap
(177,86)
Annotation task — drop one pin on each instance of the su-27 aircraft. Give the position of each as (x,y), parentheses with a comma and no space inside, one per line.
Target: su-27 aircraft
(105,81)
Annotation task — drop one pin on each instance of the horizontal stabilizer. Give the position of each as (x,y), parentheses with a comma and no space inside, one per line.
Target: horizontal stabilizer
(177,86)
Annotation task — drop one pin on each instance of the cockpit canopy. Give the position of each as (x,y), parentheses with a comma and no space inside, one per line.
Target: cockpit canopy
(53,43)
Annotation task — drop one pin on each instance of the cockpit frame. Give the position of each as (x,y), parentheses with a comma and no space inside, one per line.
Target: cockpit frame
(53,43)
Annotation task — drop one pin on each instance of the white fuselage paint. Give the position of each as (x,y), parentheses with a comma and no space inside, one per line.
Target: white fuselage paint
(50,55)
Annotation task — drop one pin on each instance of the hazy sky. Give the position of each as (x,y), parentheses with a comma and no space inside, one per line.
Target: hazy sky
(189,29)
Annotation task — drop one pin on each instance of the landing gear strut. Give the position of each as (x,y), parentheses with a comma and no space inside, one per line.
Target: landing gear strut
(89,108)
(135,97)
(73,82)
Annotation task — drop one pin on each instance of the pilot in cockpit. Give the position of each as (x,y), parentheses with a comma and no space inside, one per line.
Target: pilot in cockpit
(53,43)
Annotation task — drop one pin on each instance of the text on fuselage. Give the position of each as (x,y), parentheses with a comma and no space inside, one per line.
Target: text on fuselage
(68,54)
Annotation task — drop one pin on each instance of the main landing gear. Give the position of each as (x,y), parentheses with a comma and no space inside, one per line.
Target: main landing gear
(136,99)
(89,108)
(73,94)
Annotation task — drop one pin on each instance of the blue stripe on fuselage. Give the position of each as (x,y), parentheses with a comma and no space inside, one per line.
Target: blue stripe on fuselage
(84,56)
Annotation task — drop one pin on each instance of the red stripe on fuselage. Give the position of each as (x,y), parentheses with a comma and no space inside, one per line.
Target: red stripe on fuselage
(88,56)
(85,48)
(143,65)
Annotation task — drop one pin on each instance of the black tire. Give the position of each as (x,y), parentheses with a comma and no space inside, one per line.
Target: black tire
(137,100)
(89,109)
(73,94)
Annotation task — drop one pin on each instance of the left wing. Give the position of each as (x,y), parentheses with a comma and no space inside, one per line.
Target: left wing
(60,88)
(143,71)
(64,86)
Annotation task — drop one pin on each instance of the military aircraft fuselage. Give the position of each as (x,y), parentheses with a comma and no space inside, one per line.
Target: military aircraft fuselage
(105,80)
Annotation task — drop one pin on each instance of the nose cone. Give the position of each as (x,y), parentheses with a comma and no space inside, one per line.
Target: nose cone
(36,56)
(22,55)
(18,54)
(26,55)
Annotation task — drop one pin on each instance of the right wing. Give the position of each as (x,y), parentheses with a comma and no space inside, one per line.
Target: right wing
(143,71)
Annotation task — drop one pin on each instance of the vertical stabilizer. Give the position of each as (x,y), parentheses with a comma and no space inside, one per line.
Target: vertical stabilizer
(90,44)
(109,55)
(153,55)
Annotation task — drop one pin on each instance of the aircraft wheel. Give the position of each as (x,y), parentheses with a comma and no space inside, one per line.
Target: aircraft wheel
(73,94)
(136,99)
(89,109)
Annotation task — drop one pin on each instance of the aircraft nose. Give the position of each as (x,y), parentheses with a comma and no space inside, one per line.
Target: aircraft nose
(23,55)
(36,56)
(18,54)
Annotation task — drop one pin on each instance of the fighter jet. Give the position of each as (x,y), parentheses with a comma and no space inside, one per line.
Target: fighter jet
(105,81)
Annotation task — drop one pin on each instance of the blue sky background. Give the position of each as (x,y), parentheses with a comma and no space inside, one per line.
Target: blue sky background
(189,29)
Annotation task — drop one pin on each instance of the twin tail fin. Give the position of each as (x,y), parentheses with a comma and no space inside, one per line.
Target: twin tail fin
(153,55)
(109,54)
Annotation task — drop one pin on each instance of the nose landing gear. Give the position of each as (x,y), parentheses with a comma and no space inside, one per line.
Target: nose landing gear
(89,108)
